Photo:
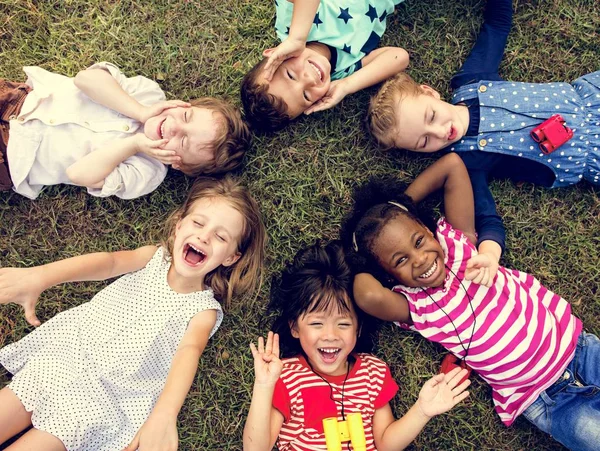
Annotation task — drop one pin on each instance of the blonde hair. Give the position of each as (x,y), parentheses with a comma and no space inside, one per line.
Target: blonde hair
(381,117)
(245,276)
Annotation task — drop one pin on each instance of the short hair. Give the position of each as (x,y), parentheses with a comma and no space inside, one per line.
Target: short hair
(232,140)
(381,117)
(263,111)
(318,278)
(245,275)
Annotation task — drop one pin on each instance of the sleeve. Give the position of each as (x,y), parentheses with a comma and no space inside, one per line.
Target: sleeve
(281,400)
(135,177)
(142,89)
(484,60)
(389,388)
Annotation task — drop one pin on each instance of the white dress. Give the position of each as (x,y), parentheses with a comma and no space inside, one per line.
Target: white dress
(91,375)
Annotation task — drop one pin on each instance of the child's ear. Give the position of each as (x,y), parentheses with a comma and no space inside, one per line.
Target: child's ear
(268,52)
(232,259)
(176,166)
(294,329)
(428,90)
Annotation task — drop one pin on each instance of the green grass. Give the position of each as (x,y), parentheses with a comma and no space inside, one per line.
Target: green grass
(301,177)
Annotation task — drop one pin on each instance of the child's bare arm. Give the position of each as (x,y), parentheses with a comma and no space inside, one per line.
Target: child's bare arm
(377,66)
(264,421)
(159,431)
(302,19)
(378,301)
(449,173)
(23,286)
(438,395)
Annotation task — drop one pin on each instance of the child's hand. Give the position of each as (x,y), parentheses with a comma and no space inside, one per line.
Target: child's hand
(336,93)
(21,286)
(155,149)
(267,365)
(158,433)
(154,110)
(482,269)
(287,49)
(442,392)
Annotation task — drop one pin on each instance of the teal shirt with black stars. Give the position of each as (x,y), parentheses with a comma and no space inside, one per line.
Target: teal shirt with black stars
(350,28)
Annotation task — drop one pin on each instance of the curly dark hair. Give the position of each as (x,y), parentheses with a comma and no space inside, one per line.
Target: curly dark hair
(263,111)
(318,278)
(374,207)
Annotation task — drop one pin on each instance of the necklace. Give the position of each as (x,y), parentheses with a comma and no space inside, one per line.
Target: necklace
(341,403)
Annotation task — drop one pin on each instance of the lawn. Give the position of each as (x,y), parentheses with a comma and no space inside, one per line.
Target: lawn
(302,178)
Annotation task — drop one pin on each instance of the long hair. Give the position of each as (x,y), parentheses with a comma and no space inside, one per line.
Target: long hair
(375,204)
(245,276)
(318,279)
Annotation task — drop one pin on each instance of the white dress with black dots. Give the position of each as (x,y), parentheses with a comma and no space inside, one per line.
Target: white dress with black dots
(91,375)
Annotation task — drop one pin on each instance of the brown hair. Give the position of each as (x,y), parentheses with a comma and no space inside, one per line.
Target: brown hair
(264,111)
(233,138)
(244,276)
(381,117)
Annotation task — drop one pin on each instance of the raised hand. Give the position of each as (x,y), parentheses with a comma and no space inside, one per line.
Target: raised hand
(336,93)
(287,49)
(155,149)
(158,433)
(442,392)
(154,110)
(21,286)
(482,269)
(267,365)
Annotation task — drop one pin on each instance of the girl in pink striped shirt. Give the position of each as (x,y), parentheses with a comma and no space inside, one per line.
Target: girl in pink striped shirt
(516,334)
(326,375)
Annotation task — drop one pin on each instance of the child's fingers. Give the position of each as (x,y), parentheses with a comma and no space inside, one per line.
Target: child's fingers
(276,345)
(133,446)
(269,346)
(462,387)
(30,315)
(253,350)
(453,377)
(261,345)
(464,395)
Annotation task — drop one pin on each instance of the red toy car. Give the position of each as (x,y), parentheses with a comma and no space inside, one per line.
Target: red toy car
(551,134)
(450,362)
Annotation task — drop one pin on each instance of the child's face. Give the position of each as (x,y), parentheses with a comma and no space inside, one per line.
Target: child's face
(302,80)
(190,131)
(327,338)
(428,124)
(409,252)
(206,238)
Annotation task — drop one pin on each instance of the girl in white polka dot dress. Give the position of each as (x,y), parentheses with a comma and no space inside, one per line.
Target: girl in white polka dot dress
(113,373)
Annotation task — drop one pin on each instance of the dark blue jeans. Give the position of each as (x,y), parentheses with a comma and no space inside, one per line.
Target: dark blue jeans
(569,410)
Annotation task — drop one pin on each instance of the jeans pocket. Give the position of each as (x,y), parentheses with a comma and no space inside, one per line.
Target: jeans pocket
(540,412)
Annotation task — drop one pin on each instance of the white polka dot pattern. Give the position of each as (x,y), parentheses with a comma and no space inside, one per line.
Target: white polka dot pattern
(92,374)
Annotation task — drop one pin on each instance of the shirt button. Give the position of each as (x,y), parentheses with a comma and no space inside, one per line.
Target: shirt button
(11,117)
(51,121)
(126,128)
(482,88)
(482,142)
(86,123)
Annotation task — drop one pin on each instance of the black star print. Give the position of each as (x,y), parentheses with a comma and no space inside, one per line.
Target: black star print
(383,16)
(347,48)
(287,30)
(371,13)
(317,21)
(345,15)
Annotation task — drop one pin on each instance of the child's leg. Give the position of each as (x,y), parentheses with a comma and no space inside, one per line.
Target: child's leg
(36,439)
(13,416)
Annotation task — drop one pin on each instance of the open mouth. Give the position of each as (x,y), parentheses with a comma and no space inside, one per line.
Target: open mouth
(431,271)
(193,256)
(452,134)
(329,355)
(317,70)
(161,129)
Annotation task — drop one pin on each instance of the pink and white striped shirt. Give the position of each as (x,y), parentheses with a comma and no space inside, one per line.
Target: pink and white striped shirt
(305,399)
(523,335)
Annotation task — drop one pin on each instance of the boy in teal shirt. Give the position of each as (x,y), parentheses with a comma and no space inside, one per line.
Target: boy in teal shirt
(328,50)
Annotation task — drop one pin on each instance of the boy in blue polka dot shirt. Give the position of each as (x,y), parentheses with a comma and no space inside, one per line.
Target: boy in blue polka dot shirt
(488,123)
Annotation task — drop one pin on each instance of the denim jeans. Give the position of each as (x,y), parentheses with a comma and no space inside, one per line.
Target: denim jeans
(569,410)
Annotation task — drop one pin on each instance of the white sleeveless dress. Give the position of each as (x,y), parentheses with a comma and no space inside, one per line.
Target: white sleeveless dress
(91,375)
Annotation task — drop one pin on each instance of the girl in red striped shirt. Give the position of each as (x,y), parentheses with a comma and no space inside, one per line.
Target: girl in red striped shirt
(325,374)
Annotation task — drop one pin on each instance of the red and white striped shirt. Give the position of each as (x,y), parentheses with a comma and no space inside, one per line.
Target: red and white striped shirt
(305,399)
(523,335)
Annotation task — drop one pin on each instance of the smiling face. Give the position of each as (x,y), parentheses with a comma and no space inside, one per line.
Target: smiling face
(300,81)
(190,131)
(327,338)
(427,124)
(408,251)
(206,238)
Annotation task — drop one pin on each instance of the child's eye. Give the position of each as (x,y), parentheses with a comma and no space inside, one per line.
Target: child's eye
(289,75)
(419,241)
(198,224)
(315,324)
(345,324)
(432,116)
(400,261)
(185,116)
(306,97)
(221,238)
(425,142)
